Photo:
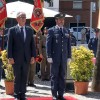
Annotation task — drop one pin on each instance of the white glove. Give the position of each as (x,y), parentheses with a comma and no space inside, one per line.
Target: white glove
(68,60)
(49,60)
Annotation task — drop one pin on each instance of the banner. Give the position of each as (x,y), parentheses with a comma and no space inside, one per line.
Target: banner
(37,19)
(3,13)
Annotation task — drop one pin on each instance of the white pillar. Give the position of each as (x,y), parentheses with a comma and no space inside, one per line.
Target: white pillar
(91,19)
(98,26)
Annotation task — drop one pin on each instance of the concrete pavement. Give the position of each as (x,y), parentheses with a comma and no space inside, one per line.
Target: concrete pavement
(43,90)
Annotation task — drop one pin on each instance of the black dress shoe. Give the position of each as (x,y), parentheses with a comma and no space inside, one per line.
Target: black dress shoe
(23,99)
(47,79)
(54,98)
(16,99)
(43,79)
(22,96)
(61,98)
(32,85)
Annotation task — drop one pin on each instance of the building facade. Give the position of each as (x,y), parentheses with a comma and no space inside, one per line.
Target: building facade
(53,5)
(84,12)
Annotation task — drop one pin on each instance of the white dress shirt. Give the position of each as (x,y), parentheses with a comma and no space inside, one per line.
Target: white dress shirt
(23,31)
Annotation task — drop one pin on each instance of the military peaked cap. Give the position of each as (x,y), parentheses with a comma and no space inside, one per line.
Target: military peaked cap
(60,15)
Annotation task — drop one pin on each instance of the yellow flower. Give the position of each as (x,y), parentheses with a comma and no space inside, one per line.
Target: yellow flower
(7,67)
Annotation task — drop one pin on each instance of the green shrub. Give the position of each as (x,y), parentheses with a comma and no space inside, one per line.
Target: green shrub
(81,65)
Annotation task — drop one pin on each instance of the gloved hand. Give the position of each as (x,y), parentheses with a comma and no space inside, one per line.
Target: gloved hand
(49,60)
(68,60)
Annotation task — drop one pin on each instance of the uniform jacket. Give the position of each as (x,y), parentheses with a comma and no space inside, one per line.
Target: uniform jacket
(58,46)
(92,45)
(42,46)
(17,47)
(37,40)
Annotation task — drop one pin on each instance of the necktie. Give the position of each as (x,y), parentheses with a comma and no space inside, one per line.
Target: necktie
(22,33)
(61,31)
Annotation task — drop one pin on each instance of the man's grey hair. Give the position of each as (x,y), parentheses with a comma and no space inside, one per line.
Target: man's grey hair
(19,14)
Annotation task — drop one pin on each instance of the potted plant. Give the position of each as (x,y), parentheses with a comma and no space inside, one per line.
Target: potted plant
(81,67)
(9,75)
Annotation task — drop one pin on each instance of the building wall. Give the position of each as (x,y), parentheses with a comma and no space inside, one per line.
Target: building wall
(66,6)
(55,5)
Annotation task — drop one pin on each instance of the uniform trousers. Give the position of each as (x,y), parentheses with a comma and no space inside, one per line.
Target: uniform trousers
(58,78)
(31,73)
(45,69)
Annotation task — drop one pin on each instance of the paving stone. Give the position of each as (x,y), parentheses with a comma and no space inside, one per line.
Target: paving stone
(44,89)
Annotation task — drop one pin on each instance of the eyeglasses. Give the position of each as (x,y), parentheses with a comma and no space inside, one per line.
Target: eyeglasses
(22,17)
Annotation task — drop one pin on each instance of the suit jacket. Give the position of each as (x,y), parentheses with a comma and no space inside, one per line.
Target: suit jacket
(18,49)
(58,46)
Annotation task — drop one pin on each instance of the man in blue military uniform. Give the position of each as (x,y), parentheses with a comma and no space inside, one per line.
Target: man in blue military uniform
(58,47)
(93,42)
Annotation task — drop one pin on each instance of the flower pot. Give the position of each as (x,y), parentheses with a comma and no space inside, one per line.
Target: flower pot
(81,87)
(9,87)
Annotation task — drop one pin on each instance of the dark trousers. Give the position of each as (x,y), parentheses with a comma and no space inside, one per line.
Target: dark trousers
(20,72)
(0,70)
(58,78)
(37,67)
(87,39)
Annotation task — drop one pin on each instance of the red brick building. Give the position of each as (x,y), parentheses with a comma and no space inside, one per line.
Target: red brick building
(81,8)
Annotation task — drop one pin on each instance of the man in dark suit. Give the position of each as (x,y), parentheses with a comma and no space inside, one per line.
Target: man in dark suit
(21,52)
(58,47)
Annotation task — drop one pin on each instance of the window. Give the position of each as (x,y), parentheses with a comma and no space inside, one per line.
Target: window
(77,4)
(93,6)
(51,3)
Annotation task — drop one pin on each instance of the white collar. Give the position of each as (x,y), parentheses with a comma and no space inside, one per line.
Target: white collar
(58,27)
(21,26)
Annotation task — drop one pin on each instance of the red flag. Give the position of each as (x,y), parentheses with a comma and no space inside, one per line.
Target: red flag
(3,13)
(37,16)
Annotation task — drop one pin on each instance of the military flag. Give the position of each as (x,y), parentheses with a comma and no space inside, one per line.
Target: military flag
(37,19)
(3,13)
